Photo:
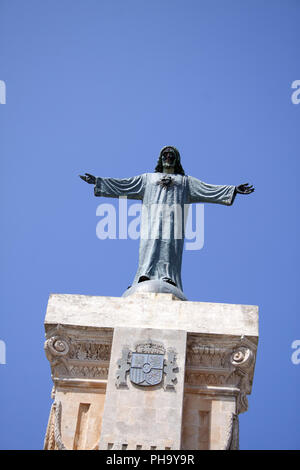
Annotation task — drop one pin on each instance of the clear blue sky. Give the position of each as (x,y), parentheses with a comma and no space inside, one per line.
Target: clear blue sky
(100,86)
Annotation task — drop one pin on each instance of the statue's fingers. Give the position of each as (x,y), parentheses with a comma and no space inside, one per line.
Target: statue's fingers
(82,177)
(88,174)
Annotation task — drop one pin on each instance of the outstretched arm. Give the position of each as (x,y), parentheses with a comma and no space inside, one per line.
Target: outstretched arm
(217,194)
(132,188)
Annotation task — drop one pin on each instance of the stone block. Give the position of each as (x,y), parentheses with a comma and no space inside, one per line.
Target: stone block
(153,412)
(216,351)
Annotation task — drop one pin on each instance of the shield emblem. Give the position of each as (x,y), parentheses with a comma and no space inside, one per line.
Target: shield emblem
(146,369)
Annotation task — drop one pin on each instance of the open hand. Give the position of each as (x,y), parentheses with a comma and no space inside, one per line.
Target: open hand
(244,188)
(90,179)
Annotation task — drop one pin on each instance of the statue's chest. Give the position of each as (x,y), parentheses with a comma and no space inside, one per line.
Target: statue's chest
(166,188)
(167,182)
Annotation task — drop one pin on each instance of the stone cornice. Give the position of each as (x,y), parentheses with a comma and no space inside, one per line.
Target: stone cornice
(221,364)
(77,354)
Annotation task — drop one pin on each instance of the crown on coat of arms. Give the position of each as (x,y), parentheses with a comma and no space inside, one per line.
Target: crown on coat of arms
(150,348)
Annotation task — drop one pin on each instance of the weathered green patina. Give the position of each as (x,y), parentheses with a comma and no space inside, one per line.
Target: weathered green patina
(165,196)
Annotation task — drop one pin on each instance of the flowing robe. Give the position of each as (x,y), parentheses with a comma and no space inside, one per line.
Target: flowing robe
(164,209)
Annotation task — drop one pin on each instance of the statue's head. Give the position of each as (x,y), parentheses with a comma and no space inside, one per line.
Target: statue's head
(169,158)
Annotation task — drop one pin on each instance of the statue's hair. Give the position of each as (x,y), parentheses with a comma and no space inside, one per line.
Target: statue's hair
(178,168)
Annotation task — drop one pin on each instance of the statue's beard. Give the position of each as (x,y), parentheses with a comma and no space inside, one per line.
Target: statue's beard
(169,165)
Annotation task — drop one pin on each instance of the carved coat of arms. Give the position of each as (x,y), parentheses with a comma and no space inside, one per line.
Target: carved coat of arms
(147,366)
(146,369)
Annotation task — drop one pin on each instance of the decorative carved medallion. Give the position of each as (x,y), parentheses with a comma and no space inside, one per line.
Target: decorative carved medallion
(147,366)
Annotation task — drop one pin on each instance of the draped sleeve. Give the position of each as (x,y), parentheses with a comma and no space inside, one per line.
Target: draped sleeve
(198,191)
(132,188)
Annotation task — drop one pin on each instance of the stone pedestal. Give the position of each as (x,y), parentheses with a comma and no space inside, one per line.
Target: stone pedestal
(148,371)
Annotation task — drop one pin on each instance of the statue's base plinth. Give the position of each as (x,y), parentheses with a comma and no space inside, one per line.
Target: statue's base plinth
(148,371)
(155,287)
